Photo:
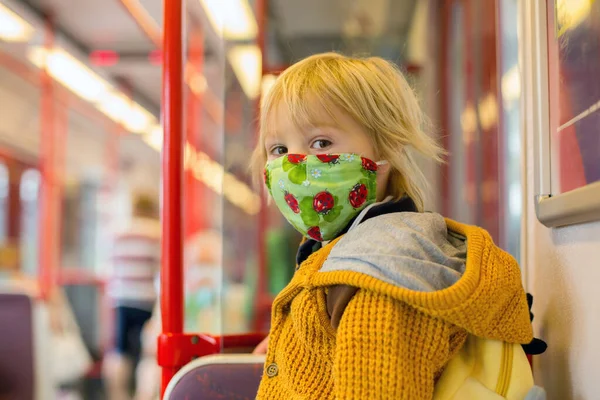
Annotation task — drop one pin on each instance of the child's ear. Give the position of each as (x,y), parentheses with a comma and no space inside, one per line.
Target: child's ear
(265,192)
(383,167)
(383,179)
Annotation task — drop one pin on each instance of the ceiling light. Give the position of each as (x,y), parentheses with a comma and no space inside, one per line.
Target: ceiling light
(115,105)
(232,19)
(124,111)
(246,62)
(82,81)
(70,72)
(511,85)
(12,27)
(488,112)
(137,119)
(198,83)
(154,138)
(213,175)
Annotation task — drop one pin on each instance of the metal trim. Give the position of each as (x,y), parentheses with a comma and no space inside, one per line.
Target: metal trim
(573,207)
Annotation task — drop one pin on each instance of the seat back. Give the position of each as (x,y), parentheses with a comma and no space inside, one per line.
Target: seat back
(221,376)
(17,369)
(24,328)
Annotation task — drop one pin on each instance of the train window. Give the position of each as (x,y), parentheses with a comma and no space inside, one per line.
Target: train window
(568,144)
(30,185)
(460,121)
(510,139)
(29,193)
(474,186)
(574,59)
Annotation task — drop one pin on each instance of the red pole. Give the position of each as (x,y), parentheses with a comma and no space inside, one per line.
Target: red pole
(444,42)
(61,130)
(261,16)
(48,201)
(211,101)
(172,166)
(263,300)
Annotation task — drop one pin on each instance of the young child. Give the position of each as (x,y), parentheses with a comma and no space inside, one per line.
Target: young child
(384,294)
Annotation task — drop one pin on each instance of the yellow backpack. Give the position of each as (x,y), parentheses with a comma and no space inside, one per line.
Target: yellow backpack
(487,369)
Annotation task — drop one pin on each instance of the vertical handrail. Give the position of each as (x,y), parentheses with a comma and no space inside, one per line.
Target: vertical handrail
(47,257)
(211,102)
(262,297)
(172,175)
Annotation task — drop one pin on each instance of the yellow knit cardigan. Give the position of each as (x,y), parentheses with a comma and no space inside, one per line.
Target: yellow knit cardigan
(391,343)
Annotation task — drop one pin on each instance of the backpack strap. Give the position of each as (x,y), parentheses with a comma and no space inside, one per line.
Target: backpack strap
(536,346)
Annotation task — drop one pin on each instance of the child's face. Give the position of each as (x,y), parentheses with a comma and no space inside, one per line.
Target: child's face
(329,136)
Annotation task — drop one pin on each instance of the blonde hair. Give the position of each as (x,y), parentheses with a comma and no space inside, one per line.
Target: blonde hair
(375,94)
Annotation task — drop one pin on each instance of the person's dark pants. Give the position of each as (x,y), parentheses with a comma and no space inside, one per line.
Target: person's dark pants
(129,324)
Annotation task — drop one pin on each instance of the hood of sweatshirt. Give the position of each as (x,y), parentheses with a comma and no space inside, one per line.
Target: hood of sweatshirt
(441,267)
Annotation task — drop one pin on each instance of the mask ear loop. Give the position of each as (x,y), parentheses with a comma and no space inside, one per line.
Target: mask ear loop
(379,163)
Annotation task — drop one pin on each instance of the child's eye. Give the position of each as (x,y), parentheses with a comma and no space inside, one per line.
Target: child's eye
(321,144)
(279,150)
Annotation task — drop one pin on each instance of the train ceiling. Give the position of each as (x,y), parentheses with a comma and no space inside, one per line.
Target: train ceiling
(296,28)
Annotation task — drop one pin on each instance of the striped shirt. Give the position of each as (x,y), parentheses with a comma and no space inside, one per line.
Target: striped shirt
(136,260)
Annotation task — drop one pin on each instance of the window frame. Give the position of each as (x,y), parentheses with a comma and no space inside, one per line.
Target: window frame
(553,210)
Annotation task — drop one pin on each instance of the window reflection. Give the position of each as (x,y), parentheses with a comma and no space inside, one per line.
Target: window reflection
(511,135)
(29,189)
(461,120)
(4,198)
(574,57)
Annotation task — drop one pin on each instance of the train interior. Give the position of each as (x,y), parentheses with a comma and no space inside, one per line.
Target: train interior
(510,88)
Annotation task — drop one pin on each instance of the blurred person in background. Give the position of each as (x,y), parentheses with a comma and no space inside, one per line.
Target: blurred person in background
(136,260)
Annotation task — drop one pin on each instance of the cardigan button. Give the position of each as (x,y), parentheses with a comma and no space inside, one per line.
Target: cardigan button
(272,370)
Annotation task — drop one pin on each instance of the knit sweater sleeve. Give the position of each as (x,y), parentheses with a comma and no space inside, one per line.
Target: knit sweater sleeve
(388,350)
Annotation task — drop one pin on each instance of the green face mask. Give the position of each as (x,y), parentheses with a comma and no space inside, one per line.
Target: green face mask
(319,195)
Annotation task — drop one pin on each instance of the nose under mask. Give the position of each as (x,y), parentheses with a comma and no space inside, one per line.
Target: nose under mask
(320,194)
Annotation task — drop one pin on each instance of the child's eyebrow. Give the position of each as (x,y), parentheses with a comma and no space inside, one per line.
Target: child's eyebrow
(322,122)
(271,140)
(326,126)
(271,135)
